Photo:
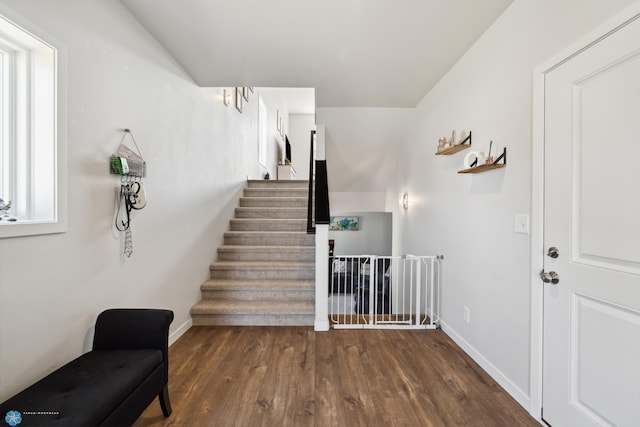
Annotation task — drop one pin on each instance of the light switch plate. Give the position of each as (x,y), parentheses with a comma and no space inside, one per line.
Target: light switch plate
(521,224)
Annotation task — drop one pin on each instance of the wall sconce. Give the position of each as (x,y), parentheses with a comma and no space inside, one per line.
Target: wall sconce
(226,97)
(405,200)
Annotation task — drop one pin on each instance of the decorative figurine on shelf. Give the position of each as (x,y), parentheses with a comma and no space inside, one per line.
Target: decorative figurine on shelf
(5,211)
(266,176)
(441,143)
(453,137)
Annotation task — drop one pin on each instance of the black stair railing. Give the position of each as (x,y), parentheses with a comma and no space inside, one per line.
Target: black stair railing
(318,202)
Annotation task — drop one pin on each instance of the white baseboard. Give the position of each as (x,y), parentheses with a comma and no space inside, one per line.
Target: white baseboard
(173,337)
(521,397)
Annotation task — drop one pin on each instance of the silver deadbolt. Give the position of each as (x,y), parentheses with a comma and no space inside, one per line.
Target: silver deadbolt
(550,277)
(553,252)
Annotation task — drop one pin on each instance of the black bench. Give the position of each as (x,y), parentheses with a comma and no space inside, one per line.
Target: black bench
(108,386)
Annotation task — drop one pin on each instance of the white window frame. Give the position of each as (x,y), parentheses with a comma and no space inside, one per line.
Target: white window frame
(33,152)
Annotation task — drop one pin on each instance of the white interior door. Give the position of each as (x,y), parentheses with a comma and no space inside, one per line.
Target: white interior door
(591,362)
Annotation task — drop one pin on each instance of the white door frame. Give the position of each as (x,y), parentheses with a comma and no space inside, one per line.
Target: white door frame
(537,193)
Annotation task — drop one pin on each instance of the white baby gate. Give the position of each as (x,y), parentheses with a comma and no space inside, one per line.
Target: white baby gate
(378,292)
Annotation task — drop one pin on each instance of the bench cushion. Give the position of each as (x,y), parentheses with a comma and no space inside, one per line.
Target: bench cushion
(86,390)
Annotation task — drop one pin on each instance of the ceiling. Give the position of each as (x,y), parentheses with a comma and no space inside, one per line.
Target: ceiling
(356,53)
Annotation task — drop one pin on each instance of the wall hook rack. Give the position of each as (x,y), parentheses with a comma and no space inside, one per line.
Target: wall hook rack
(126,161)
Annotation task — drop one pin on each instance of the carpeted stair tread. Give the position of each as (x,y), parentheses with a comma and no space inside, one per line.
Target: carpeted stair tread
(261,183)
(242,307)
(270,238)
(262,265)
(263,248)
(268,224)
(271,212)
(216,284)
(266,253)
(268,233)
(299,202)
(276,192)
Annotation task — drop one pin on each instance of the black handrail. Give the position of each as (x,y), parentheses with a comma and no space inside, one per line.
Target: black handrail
(322,193)
(311,229)
(318,191)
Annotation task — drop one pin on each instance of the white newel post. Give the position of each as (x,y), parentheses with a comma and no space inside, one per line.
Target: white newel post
(322,278)
(322,254)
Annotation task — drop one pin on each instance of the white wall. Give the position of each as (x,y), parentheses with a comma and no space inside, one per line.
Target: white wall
(362,146)
(275,103)
(373,237)
(300,127)
(199,153)
(469,218)
(340,201)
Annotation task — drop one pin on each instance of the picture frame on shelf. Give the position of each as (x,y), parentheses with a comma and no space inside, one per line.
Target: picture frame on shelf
(239,99)
(226,97)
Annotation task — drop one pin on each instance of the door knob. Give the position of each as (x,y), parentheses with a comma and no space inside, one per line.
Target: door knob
(550,277)
(553,252)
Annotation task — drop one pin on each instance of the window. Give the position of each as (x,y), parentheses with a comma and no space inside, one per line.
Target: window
(30,153)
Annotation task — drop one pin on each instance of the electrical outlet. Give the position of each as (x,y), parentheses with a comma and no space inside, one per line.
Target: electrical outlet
(467,314)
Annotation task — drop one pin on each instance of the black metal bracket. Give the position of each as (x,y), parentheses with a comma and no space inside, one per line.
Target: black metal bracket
(468,138)
(503,157)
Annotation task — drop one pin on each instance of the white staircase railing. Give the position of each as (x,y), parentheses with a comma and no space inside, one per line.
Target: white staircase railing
(379,292)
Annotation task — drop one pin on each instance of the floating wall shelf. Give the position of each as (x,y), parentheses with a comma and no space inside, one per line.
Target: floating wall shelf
(490,166)
(456,147)
(482,168)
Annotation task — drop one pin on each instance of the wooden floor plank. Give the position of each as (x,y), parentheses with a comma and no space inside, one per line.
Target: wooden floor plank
(286,396)
(293,376)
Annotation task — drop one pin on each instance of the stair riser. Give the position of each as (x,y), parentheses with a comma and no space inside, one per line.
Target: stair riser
(268,202)
(261,294)
(268,225)
(254,320)
(278,184)
(291,213)
(275,192)
(271,240)
(300,255)
(268,274)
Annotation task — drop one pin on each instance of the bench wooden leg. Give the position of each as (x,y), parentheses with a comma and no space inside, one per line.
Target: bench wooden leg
(165,404)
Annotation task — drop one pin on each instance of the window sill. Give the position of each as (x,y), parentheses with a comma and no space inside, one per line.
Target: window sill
(30,228)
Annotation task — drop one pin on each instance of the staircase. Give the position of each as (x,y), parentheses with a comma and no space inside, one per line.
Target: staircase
(265,270)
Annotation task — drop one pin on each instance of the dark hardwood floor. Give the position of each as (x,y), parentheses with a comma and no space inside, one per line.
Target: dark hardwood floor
(293,376)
